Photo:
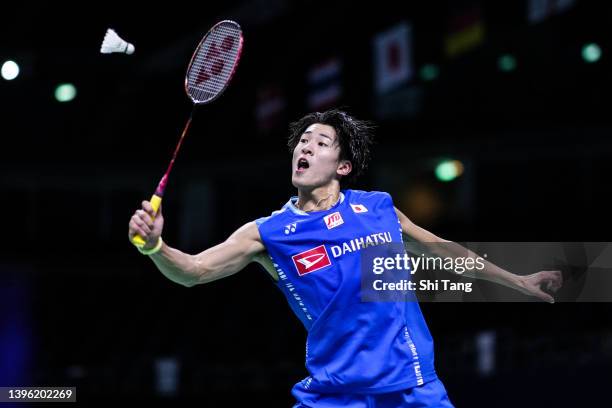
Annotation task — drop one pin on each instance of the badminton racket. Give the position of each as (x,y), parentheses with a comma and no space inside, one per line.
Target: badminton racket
(210,70)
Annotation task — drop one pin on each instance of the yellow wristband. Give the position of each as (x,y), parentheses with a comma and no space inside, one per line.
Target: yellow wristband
(152,250)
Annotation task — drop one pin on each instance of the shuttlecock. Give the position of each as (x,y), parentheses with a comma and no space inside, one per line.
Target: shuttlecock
(113,43)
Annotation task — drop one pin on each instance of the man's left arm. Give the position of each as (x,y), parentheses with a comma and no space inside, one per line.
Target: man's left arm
(529,284)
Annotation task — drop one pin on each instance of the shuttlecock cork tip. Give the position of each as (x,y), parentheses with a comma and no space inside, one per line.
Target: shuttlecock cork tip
(112,43)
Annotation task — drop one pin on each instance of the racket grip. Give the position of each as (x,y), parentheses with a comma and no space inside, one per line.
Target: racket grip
(137,240)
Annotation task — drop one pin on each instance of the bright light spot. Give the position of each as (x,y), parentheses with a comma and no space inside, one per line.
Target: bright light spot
(65,92)
(506,63)
(10,70)
(591,52)
(449,170)
(429,72)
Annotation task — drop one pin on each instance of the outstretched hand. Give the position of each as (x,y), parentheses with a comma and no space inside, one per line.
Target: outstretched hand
(534,284)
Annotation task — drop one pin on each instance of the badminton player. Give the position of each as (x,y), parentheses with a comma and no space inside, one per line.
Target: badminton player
(358,354)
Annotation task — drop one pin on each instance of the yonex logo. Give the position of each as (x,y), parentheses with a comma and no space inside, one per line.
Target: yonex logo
(290,228)
(213,68)
(359,208)
(333,220)
(311,260)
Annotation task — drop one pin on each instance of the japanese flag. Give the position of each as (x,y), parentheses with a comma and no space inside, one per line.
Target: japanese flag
(393,58)
(359,208)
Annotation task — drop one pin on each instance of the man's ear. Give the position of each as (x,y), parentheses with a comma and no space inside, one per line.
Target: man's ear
(344,168)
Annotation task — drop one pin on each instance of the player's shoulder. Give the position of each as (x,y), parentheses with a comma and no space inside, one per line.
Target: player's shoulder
(277,216)
(354,195)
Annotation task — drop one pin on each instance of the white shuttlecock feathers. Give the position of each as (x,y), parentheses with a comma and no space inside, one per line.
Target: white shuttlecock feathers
(113,43)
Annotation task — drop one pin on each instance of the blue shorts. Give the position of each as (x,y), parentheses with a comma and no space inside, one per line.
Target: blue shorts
(431,394)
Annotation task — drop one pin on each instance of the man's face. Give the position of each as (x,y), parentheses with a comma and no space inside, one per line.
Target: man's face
(316,158)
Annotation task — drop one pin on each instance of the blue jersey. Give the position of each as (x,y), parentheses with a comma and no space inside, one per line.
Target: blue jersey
(352,346)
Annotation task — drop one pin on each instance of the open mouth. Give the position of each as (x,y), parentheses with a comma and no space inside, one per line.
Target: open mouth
(302,164)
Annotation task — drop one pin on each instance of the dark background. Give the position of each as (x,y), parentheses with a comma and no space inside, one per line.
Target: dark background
(80,306)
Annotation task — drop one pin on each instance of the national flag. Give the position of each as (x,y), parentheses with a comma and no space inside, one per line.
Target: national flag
(270,106)
(466,32)
(324,83)
(393,58)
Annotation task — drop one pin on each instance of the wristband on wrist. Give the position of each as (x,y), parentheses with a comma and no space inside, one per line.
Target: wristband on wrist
(152,250)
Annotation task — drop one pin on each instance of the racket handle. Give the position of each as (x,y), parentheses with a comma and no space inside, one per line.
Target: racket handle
(155,203)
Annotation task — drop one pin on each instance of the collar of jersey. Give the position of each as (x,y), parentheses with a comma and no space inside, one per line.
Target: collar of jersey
(291,205)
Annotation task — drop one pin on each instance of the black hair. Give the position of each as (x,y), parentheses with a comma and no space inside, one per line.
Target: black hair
(354,137)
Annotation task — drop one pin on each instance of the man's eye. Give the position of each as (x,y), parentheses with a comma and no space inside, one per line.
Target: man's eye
(303,140)
(322,144)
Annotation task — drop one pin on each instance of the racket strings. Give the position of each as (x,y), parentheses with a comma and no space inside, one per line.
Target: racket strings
(211,75)
(214,62)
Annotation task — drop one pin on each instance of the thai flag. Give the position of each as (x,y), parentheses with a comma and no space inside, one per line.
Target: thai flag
(324,83)
(270,107)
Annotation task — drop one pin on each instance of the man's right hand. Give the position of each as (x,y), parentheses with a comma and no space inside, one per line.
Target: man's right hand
(147,224)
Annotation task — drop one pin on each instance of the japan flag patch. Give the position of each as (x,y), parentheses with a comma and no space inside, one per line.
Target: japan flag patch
(359,208)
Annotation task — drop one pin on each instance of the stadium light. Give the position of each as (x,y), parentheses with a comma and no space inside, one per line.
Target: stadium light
(448,170)
(591,53)
(506,63)
(65,92)
(429,72)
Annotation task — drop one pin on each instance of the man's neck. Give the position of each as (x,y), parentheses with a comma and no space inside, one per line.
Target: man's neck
(318,199)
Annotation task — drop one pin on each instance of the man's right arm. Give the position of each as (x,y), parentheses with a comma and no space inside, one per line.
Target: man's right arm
(214,263)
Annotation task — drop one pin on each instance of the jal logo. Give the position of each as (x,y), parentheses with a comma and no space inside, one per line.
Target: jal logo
(311,260)
(333,220)
(359,208)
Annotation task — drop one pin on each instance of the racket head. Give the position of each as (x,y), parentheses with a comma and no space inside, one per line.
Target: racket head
(214,62)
